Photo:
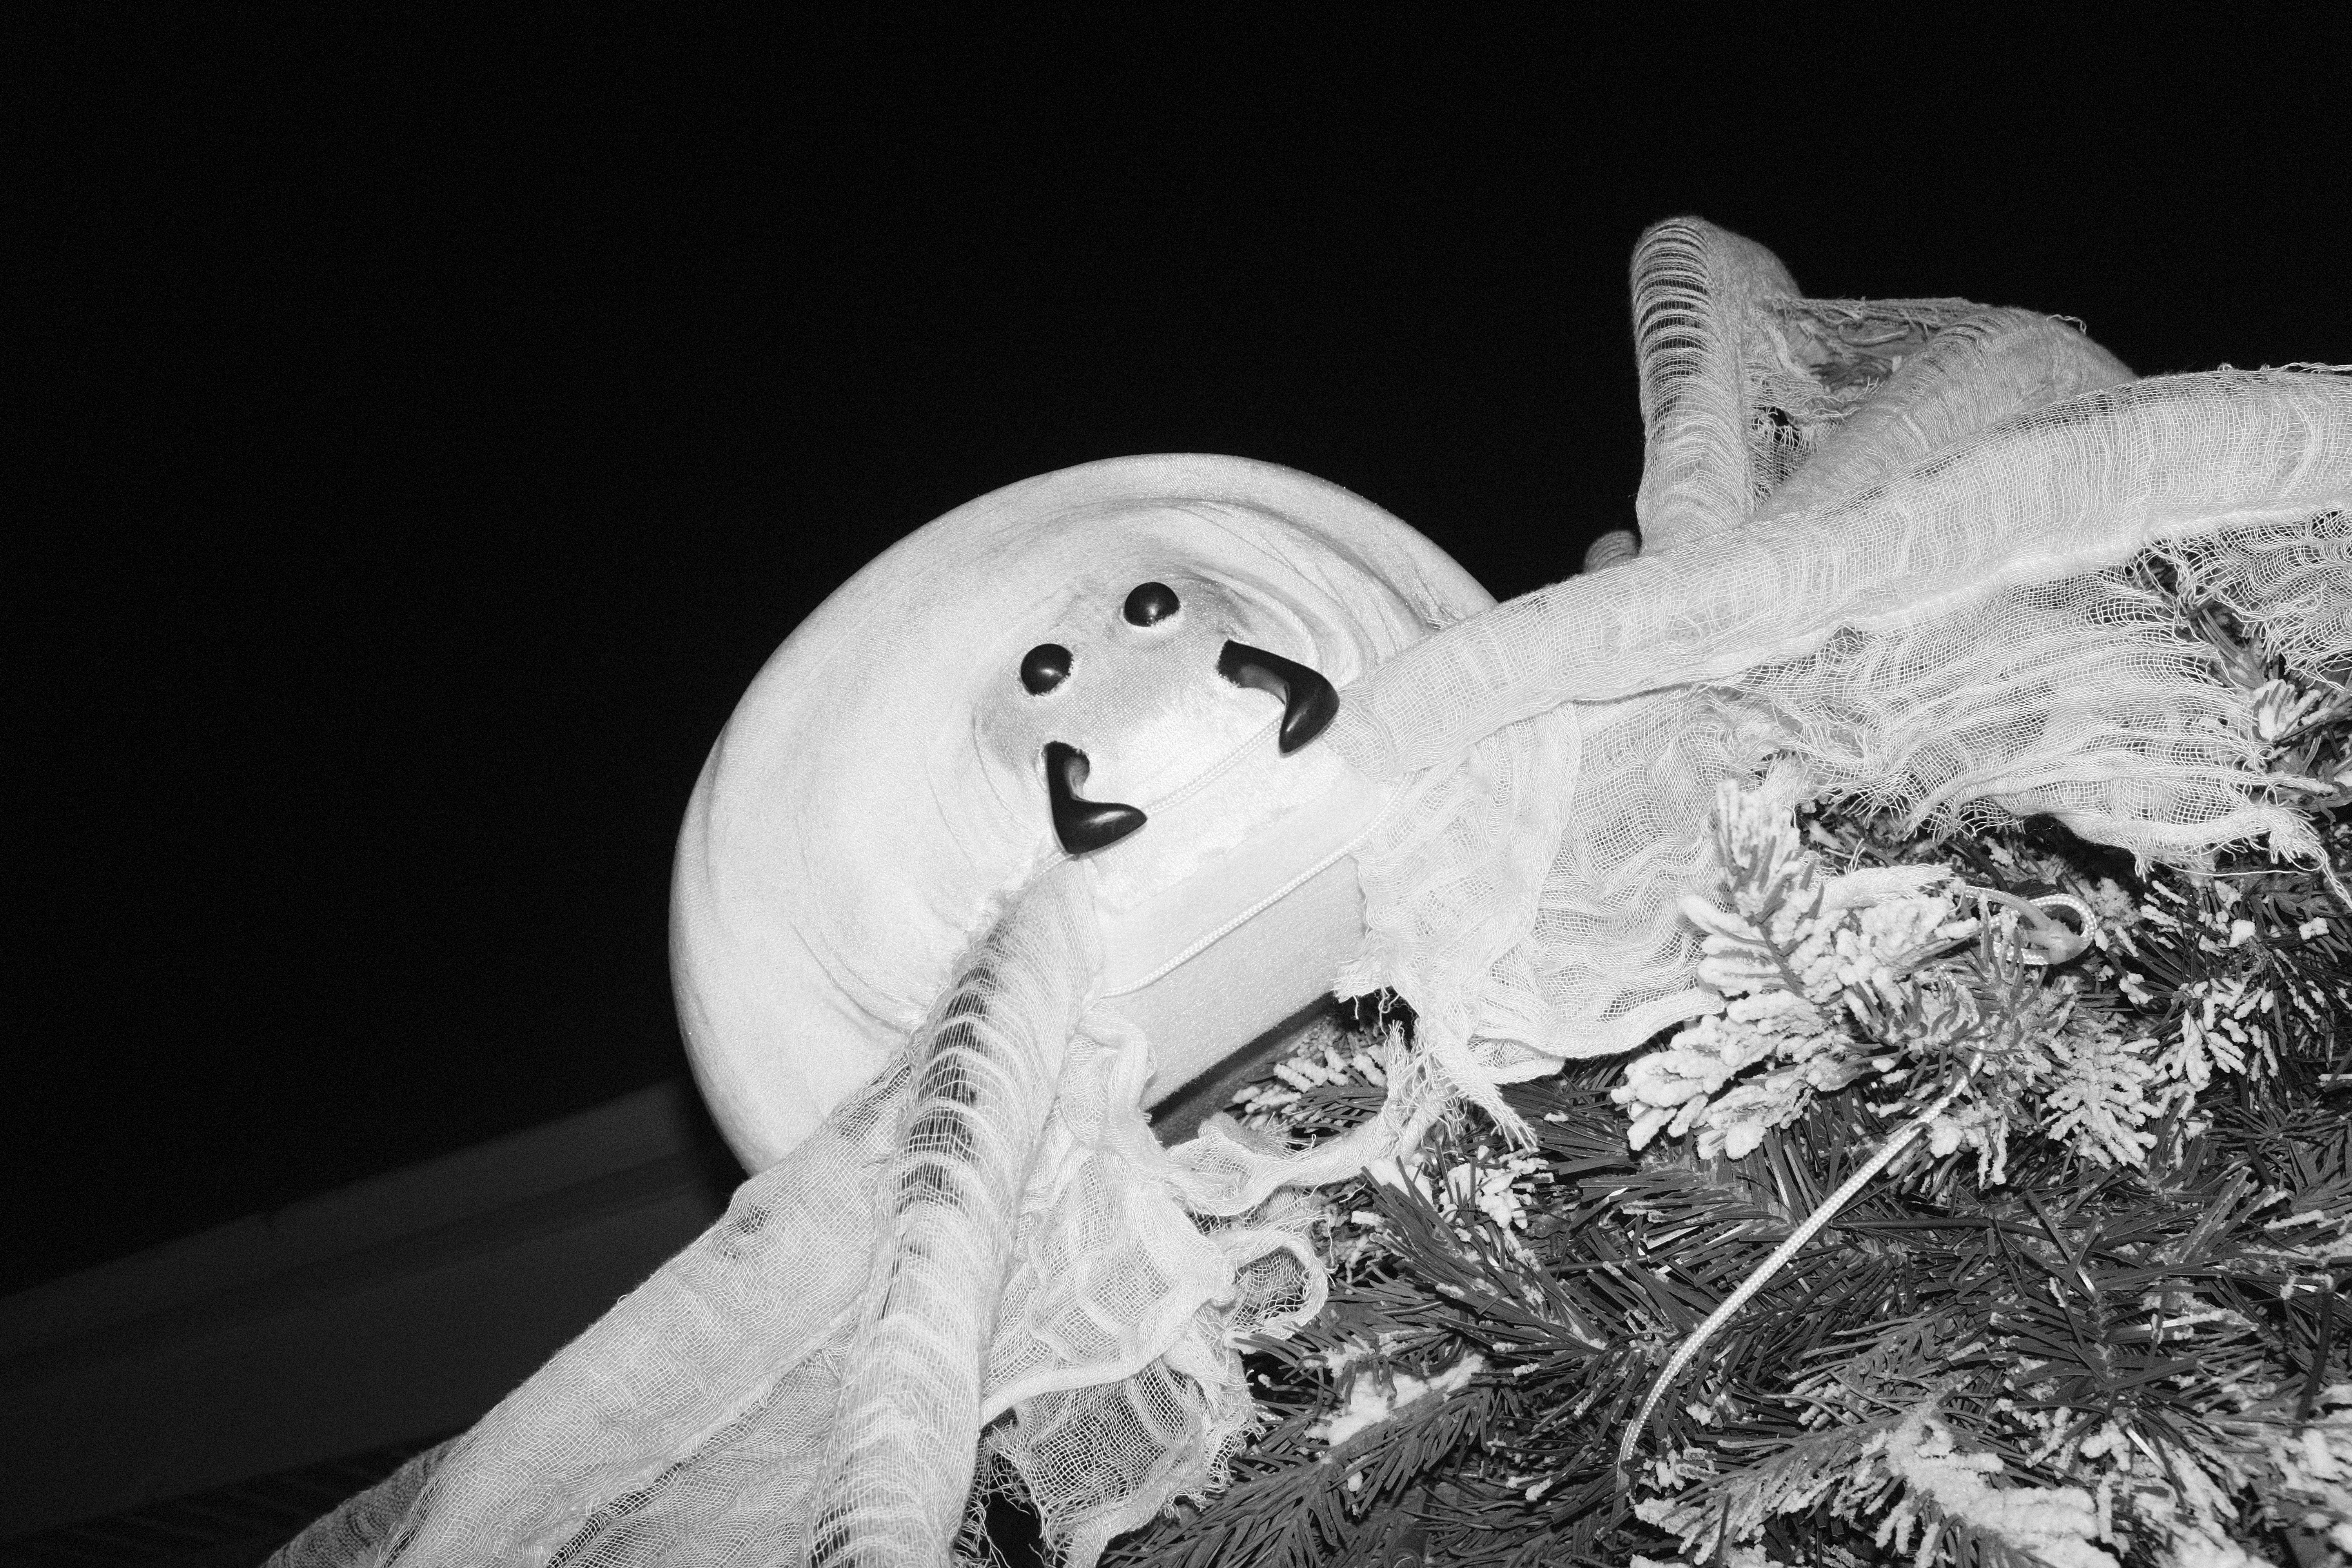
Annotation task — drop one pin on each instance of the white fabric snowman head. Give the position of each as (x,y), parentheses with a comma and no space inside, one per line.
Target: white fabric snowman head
(891,774)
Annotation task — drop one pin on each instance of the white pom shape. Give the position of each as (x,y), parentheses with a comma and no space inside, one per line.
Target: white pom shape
(880,790)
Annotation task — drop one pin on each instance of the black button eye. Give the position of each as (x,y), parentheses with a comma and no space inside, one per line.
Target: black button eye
(1045,667)
(1150,603)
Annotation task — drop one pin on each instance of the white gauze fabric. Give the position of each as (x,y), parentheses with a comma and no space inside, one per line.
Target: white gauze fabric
(880,797)
(1892,548)
(1889,552)
(758,1402)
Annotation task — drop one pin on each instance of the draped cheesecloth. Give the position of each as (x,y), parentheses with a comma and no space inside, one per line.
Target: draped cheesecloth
(1887,547)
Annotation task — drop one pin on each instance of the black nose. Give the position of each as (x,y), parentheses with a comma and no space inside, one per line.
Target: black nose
(1308,702)
(1082,824)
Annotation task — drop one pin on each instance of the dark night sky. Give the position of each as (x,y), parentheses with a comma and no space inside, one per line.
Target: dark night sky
(435,431)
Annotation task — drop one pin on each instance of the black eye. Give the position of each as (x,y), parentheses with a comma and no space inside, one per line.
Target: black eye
(1150,603)
(1045,667)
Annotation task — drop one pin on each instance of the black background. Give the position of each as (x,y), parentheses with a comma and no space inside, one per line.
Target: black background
(423,433)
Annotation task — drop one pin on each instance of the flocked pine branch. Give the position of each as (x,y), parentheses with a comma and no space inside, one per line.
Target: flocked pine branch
(2093,1319)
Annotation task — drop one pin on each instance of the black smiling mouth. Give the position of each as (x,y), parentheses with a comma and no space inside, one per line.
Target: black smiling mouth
(1083,825)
